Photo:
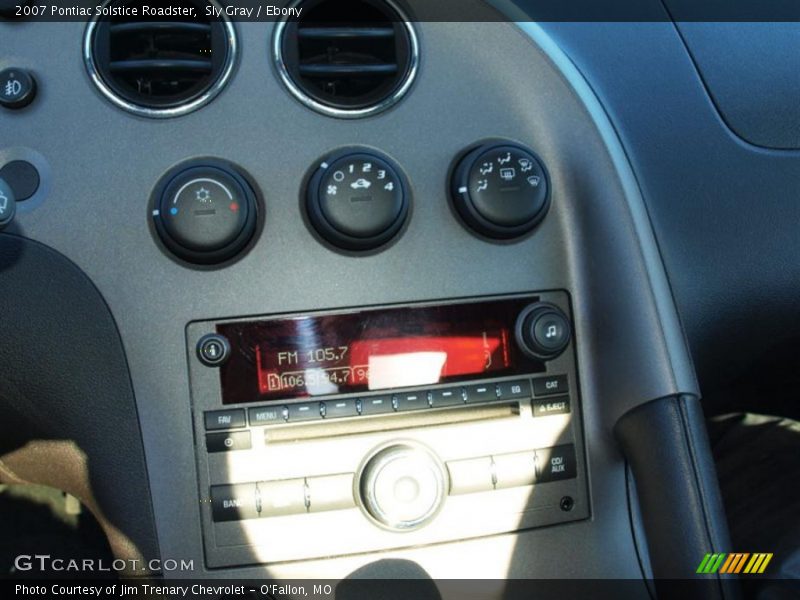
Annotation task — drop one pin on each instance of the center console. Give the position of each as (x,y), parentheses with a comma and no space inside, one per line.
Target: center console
(379,428)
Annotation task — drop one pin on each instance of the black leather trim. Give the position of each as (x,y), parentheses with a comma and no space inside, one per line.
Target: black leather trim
(666,446)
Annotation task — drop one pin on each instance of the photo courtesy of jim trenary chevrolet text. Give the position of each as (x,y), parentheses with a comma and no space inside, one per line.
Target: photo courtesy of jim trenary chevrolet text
(391,299)
(173,591)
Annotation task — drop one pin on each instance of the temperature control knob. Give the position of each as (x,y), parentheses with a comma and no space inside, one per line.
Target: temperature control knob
(543,331)
(357,200)
(500,190)
(204,212)
(403,486)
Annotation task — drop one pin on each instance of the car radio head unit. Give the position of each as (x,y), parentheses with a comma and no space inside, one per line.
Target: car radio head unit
(384,427)
(372,349)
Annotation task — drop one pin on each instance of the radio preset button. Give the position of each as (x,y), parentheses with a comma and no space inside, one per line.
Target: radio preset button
(267,415)
(308,411)
(233,502)
(515,470)
(511,390)
(345,407)
(552,406)
(547,386)
(556,463)
(279,498)
(225,419)
(447,397)
(228,442)
(412,401)
(377,405)
(330,492)
(484,392)
(470,475)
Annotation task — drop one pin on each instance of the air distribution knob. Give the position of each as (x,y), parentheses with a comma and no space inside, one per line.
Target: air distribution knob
(543,331)
(500,190)
(403,486)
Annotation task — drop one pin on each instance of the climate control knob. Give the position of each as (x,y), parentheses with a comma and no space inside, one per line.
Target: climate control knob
(357,200)
(543,331)
(403,486)
(500,190)
(204,211)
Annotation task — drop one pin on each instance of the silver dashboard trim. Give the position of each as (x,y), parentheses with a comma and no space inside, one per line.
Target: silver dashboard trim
(299,94)
(168,112)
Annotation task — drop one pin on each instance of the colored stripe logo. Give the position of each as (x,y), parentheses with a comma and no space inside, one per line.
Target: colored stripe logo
(736,562)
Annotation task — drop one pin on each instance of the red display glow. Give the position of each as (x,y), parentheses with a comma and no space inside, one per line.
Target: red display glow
(382,363)
(372,349)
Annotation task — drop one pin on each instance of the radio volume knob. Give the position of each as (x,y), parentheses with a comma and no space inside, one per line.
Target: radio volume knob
(213,350)
(543,331)
(403,487)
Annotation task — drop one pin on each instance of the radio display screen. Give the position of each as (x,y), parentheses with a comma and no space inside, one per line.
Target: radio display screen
(372,349)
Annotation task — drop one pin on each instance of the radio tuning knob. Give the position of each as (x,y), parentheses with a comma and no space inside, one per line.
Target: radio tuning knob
(543,331)
(403,487)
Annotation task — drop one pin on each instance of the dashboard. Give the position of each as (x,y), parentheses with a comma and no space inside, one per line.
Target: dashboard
(411,308)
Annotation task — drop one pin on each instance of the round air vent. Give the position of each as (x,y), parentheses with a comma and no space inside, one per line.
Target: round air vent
(347,58)
(159,66)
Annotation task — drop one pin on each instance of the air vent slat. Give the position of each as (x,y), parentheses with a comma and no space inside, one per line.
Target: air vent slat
(148,27)
(346,70)
(345,32)
(147,65)
(347,58)
(160,67)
